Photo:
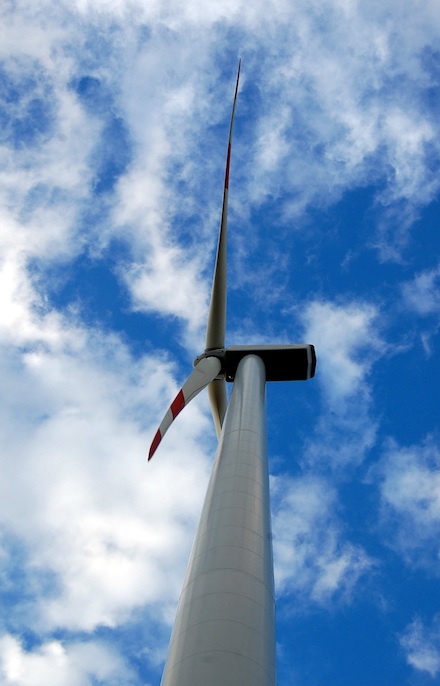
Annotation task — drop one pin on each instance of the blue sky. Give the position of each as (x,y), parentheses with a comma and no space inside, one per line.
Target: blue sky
(113,128)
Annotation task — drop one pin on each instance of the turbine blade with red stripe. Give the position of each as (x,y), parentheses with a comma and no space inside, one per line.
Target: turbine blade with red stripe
(207,369)
(216,328)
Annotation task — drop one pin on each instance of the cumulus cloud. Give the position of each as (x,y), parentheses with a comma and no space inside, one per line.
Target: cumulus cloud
(55,158)
(348,342)
(410,500)
(312,559)
(78,427)
(365,137)
(421,644)
(161,94)
(160,276)
(422,294)
(79,664)
(97,535)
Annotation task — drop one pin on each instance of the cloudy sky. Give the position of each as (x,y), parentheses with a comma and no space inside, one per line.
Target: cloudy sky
(114,119)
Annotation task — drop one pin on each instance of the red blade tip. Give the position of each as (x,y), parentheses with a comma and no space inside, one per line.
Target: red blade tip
(156,440)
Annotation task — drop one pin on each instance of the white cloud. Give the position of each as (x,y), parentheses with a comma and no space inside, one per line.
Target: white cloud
(346,72)
(331,69)
(77,491)
(44,180)
(112,533)
(350,106)
(422,646)
(312,559)
(347,339)
(162,277)
(47,185)
(410,499)
(422,294)
(78,664)
(342,439)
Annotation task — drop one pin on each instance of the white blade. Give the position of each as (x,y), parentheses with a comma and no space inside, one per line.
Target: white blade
(215,331)
(219,403)
(207,369)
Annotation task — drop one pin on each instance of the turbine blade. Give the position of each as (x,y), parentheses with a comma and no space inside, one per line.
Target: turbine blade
(219,403)
(215,330)
(207,369)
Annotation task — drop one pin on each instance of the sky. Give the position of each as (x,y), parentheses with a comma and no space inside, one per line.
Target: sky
(114,119)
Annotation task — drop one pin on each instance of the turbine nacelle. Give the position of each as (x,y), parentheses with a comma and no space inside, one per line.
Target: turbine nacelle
(282,362)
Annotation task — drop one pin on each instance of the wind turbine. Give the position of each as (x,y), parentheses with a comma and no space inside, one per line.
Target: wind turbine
(224,632)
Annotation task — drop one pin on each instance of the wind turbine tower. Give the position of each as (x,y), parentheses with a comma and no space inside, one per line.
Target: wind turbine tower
(224,632)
